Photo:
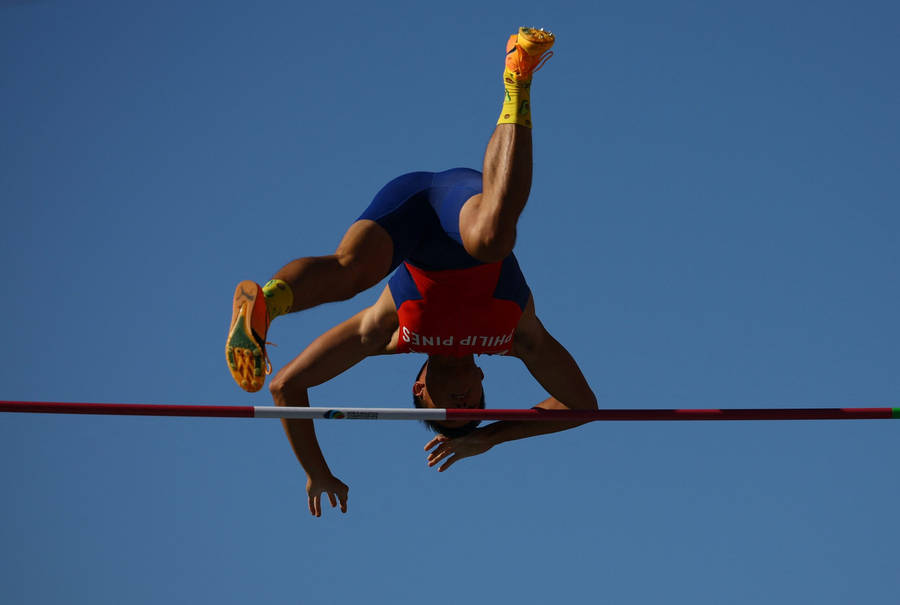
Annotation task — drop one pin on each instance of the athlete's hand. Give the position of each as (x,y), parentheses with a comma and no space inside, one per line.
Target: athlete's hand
(451,450)
(331,485)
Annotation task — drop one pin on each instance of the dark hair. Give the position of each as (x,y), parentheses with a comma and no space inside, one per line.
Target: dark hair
(436,427)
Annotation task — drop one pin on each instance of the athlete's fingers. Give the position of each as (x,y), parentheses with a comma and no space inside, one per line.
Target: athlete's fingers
(446,446)
(449,463)
(435,458)
(312,506)
(433,455)
(332,499)
(343,495)
(442,448)
(434,442)
(315,505)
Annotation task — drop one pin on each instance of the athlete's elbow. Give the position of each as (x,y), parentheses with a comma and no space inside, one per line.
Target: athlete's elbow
(583,402)
(278,389)
(287,391)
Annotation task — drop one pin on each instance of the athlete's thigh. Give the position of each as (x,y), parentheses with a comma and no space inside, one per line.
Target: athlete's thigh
(483,228)
(401,212)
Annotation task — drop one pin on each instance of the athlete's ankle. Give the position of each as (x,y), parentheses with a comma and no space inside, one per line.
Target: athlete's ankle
(516,101)
(279,298)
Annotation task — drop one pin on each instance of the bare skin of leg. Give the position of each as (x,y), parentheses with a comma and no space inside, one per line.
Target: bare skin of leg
(361,260)
(487,222)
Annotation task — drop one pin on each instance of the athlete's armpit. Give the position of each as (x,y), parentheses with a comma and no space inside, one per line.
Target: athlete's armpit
(529,333)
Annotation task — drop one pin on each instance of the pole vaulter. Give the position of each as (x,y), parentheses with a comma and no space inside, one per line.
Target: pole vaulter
(455,290)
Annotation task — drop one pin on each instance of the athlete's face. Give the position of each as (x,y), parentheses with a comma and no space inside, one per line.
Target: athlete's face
(451,384)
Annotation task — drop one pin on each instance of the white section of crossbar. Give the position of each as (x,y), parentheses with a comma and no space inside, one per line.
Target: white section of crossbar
(305,413)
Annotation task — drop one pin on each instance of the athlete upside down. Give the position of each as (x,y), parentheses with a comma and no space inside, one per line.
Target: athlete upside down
(457,291)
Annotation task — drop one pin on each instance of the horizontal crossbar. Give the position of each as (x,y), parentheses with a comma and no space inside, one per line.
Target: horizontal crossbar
(438,415)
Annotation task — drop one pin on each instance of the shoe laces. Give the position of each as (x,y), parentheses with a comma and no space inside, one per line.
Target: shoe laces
(263,344)
(266,355)
(542,59)
(528,64)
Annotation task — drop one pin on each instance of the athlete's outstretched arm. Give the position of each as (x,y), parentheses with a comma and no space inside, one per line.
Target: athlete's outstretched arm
(369,332)
(554,368)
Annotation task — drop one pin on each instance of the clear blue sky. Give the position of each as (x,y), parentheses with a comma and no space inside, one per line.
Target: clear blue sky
(714,223)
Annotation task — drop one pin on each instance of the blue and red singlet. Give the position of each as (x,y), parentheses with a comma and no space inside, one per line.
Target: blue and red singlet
(448,302)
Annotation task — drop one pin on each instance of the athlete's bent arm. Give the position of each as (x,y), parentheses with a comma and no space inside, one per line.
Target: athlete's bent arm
(554,368)
(369,332)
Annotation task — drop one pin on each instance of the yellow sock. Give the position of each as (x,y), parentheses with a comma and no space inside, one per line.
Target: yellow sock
(279,298)
(516,101)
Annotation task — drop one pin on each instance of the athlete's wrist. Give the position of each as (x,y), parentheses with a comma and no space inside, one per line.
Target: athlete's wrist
(318,473)
(491,434)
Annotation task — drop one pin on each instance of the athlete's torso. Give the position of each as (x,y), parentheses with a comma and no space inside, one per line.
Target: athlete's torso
(457,312)
(447,302)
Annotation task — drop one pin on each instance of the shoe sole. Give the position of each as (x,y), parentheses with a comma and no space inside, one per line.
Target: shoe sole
(243,352)
(535,41)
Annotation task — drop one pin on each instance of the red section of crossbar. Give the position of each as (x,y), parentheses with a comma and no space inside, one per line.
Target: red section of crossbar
(127,409)
(534,414)
(736,414)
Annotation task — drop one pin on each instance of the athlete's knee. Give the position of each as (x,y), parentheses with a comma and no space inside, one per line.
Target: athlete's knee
(489,243)
(378,328)
(358,272)
(364,257)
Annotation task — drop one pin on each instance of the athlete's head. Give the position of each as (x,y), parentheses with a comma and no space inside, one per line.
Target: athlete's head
(449,383)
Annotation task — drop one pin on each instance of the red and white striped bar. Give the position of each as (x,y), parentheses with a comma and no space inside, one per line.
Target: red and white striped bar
(438,415)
